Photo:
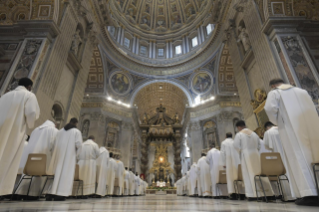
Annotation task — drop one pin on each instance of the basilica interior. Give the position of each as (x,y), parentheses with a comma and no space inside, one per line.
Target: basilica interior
(158,82)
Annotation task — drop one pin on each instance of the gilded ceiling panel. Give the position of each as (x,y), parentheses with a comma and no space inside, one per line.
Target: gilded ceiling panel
(170,96)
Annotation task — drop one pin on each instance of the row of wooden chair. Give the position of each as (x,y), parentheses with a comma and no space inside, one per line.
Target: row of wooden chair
(271,167)
(36,167)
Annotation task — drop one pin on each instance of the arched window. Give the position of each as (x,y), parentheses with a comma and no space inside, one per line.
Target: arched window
(57,115)
(85,128)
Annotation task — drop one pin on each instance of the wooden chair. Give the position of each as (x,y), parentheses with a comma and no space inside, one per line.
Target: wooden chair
(271,166)
(35,167)
(77,179)
(314,165)
(222,180)
(239,179)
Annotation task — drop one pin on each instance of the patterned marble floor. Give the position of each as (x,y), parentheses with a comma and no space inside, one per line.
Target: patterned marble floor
(152,203)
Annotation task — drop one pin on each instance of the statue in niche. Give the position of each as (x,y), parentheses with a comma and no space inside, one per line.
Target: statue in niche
(160,110)
(244,38)
(76,43)
(85,129)
(176,118)
(145,119)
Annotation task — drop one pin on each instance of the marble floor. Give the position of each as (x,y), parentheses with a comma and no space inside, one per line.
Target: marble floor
(151,203)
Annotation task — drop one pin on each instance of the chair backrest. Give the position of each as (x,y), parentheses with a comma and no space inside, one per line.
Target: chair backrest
(77,172)
(240,174)
(222,177)
(36,165)
(271,164)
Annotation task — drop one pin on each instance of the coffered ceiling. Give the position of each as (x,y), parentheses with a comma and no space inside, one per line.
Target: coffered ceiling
(170,96)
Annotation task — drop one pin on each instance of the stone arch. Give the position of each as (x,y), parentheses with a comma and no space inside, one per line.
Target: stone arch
(57,114)
(185,90)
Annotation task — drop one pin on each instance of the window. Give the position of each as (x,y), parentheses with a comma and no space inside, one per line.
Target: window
(194,42)
(127,42)
(143,50)
(160,52)
(209,28)
(111,30)
(178,49)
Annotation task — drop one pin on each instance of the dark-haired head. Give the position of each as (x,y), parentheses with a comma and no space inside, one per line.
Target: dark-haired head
(203,154)
(268,125)
(275,82)
(91,137)
(125,168)
(240,125)
(229,135)
(111,154)
(26,82)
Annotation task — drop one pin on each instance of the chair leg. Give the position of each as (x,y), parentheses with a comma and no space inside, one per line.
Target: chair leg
(280,187)
(77,190)
(29,186)
(316,180)
(82,186)
(15,190)
(43,187)
(262,186)
(235,189)
(256,188)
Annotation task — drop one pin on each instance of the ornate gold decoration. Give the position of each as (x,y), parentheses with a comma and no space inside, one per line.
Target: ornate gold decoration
(258,106)
(260,96)
(161,167)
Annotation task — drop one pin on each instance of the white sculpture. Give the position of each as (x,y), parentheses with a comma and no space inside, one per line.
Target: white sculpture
(77,41)
(243,37)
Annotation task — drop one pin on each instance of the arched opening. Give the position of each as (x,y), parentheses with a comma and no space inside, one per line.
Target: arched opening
(57,115)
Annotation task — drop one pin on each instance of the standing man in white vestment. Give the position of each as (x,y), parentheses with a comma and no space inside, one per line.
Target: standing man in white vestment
(126,182)
(193,180)
(132,182)
(101,172)
(19,110)
(87,166)
(111,169)
(204,177)
(68,145)
(230,160)
(118,190)
(41,141)
(274,144)
(293,111)
(137,184)
(248,143)
(212,160)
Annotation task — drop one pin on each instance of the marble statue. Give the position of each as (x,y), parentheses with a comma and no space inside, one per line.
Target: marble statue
(77,41)
(243,37)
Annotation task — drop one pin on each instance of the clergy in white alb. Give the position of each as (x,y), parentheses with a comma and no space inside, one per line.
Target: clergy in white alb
(205,182)
(111,169)
(68,145)
(137,184)
(248,143)
(179,188)
(294,112)
(119,175)
(229,158)
(41,142)
(192,190)
(19,110)
(132,182)
(126,182)
(87,166)
(273,143)
(212,160)
(101,172)
(184,186)
(188,183)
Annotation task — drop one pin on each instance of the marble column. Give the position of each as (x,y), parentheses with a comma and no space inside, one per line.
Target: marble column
(199,34)
(125,142)
(167,49)
(195,132)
